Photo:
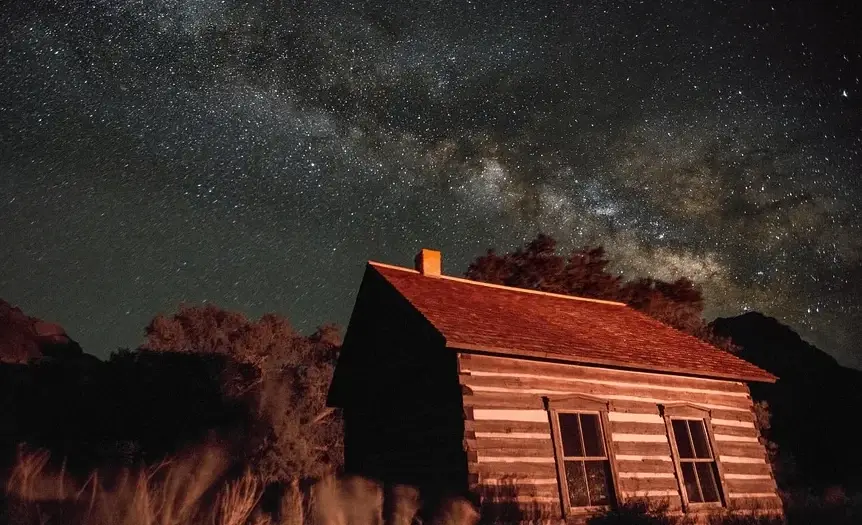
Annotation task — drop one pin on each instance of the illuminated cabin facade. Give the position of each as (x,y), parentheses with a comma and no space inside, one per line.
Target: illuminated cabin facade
(540,405)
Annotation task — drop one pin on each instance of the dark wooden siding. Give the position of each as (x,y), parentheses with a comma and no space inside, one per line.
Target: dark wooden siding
(398,387)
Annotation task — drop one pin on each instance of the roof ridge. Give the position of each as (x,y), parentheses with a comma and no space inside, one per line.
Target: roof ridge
(501,286)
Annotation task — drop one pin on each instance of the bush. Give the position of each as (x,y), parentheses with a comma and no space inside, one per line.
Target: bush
(639,512)
(744,518)
(831,508)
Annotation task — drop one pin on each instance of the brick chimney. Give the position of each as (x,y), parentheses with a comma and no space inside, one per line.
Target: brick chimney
(427,262)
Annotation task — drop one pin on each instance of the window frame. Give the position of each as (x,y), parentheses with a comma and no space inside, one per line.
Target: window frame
(692,412)
(581,404)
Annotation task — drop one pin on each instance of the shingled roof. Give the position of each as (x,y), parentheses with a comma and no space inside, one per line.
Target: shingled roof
(483,317)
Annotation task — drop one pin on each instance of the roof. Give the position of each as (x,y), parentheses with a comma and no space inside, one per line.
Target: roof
(478,316)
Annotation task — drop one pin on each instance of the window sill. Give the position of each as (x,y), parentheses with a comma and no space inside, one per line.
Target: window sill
(695,507)
(586,511)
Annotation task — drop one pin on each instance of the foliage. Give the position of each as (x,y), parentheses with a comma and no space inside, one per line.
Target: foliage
(639,512)
(294,434)
(833,507)
(136,407)
(799,509)
(745,518)
(585,272)
(204,374)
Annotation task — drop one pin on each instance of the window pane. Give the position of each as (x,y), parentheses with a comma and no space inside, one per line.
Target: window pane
(706,474)
(701,441)
(570,433)
(592,430)
(680,433)
(577,484)
(690,482)
(598,480)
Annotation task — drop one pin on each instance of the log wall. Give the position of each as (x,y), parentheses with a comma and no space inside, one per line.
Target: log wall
(510,449)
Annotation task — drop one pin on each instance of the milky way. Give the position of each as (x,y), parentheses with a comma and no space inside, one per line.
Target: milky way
(255,155)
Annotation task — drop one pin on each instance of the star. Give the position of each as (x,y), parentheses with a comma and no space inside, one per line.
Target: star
(158,155)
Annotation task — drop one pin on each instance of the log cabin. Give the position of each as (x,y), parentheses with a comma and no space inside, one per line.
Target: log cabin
(539,405)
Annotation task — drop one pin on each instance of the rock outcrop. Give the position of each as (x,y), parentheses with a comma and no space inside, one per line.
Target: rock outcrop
(24,338)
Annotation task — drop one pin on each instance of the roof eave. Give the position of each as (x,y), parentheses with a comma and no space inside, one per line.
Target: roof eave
(532,354)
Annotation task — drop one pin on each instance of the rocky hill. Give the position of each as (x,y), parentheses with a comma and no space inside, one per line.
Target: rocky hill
(815,403)
(24,338)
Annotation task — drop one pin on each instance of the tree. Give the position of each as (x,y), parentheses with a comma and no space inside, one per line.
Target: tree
(585,273)
(295,436)
(537,266)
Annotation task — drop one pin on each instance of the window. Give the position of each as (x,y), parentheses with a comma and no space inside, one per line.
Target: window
(584,464)
(697,468)
(699,474)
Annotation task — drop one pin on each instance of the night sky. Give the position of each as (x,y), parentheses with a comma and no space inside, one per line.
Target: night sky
(255,156)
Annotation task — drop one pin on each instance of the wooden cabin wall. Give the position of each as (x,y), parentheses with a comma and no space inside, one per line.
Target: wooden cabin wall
(398,388)
(509,443)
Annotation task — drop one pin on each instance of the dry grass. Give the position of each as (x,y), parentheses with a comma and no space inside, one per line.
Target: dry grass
(175,492)
(193,490)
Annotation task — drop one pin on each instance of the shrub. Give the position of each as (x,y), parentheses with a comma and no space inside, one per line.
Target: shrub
(744,518)
(640,512)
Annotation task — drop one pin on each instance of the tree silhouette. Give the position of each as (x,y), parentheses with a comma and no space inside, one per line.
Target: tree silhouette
(585,273)
(294,436)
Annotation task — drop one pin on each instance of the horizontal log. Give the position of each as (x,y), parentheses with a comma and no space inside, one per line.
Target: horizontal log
(506,512)
(504,401)
(542,436)
(482,444)
(518,452)
(760,468)
(645,484)
(524,401)
(515,482)
(741,431)
(642,449)
(639,438)
(513,459)
(728,459)
(504,414)
(551,387)
(642,457)
(745,423)
(624,427)
(645,465)
(730,438)
(744,486)
(686,411)
(656,497)
(497,492)
(730,448)
(507,470)
(521,498)
(728,416)
(504,364)
(631,406)
(543,427)
(651,416)
(764,502)
(646,475)
(749,476)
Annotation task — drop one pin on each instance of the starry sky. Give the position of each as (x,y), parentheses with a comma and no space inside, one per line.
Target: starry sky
(256,154)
